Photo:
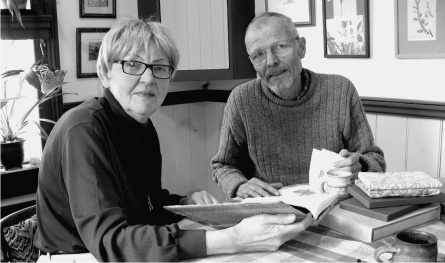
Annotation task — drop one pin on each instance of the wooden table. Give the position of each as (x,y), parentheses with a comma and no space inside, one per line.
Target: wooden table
(321,244)
(318,244)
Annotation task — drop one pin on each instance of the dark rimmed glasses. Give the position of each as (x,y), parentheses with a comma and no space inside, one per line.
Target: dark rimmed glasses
(279,49)
(138,68)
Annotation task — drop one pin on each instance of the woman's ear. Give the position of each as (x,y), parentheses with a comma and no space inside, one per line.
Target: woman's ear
(104,79)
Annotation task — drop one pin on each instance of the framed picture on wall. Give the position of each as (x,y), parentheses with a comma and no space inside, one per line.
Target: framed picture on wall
(302,12)
(346,28)
(88,42)
(97,8)
(419,28)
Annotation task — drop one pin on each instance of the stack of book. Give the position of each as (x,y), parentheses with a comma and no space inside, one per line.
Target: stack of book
(369,219)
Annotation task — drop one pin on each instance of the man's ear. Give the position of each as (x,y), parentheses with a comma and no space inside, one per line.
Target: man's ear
(302,47)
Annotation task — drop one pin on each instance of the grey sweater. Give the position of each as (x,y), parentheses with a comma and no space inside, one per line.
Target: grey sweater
(272,139)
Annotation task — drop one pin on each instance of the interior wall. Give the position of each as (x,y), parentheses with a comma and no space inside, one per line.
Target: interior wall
(68,20)
(382,75)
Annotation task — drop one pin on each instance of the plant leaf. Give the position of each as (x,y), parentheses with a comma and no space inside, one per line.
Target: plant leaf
(5,101)
(43,133)
(13,8)
(12,72)
(47,120)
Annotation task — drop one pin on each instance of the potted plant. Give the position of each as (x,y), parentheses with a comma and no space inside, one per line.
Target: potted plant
(48,81)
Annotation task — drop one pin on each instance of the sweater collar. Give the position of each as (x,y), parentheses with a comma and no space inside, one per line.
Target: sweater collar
(309,80)
(123,121)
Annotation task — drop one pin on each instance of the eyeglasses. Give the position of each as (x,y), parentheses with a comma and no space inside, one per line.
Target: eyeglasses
(279,49)
(138,68)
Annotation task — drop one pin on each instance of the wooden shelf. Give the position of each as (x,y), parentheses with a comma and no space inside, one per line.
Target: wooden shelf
(24,168)
(18,200)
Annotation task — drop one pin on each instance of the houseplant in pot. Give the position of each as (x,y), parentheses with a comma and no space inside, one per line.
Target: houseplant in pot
(48,81)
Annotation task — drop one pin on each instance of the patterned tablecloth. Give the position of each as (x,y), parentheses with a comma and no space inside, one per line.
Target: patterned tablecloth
(318,244)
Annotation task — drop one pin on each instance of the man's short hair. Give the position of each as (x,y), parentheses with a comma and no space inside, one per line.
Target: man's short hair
(128,36)
(263,19)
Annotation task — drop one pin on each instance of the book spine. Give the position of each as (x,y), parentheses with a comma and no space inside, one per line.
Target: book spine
(368,229)
(365,212)
(349,228)
(410,222)
(360,198)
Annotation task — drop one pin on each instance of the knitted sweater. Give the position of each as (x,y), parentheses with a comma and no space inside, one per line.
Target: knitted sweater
(272,139)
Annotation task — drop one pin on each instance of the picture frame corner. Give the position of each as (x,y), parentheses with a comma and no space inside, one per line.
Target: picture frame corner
(97,11)
(81,48)
(359,51)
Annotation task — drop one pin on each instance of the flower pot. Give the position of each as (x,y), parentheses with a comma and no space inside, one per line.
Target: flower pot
(12,154)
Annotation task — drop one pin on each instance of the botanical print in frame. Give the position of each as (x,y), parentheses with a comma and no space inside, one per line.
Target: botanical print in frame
(346,28)
(422,17)
(419,28)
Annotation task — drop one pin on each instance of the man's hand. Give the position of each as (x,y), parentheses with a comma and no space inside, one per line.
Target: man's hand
(257,188)
(199,198)
(257,233)
(350,163)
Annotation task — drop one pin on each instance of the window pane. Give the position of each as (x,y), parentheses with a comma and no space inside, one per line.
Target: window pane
(19,54)
(27,2)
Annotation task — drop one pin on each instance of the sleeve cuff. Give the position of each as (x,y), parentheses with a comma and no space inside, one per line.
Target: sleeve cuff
(191,244)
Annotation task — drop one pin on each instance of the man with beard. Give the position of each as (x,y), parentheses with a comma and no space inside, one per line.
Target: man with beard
(272,124)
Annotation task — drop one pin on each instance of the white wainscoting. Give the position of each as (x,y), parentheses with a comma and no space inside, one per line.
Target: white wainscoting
(189,137)
(410,143)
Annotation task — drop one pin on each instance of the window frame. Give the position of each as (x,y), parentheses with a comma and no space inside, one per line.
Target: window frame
(40,23)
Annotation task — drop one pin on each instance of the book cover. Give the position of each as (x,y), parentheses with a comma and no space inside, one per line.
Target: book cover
(383,214)
(296,200)
(392,201)
(367,229)
(402,183)
(229,214)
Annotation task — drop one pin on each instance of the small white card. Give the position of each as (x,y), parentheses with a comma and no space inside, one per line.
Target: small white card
(321,162)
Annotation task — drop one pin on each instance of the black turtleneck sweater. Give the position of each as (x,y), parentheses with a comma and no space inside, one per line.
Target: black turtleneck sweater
(99,190)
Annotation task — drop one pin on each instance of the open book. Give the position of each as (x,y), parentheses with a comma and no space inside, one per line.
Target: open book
(299,196)
(293,200)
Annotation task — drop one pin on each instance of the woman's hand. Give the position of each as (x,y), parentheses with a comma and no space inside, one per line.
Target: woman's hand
(257,233)
(199,198)
(257,188)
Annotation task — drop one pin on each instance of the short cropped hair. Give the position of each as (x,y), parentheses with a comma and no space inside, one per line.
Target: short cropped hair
(263,18)
(128,36)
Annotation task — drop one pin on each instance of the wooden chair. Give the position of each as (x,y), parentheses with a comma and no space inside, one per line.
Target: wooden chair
(26,253)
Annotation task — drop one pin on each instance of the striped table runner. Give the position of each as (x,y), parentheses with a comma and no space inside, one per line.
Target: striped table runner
(318,244)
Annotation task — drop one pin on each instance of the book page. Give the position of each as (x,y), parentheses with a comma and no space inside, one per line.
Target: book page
(299,195)
(321,162)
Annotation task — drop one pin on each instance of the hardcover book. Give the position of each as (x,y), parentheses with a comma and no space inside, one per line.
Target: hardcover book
(368,229)
(404,183)
(368,202)
(383,214)
(296,200)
